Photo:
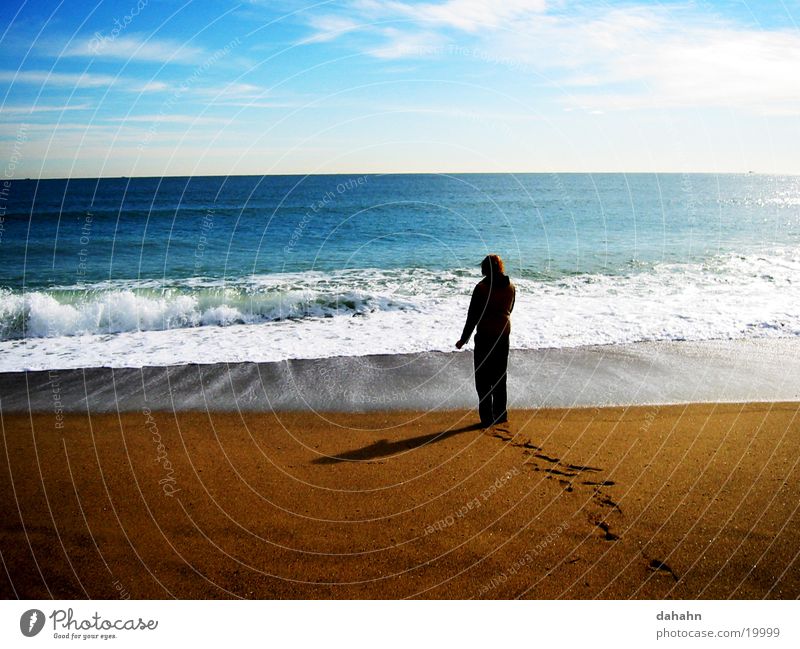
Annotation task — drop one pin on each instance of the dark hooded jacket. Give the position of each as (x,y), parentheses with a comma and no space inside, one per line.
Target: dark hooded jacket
(490,308)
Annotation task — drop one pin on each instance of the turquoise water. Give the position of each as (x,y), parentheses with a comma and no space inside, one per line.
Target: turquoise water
(290,261)
(58,233)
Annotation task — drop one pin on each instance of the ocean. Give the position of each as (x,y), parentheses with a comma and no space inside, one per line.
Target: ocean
(164,271)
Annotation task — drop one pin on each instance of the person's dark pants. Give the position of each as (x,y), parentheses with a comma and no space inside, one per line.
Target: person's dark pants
(491,363)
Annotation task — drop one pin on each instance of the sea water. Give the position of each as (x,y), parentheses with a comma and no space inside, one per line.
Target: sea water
(159,271)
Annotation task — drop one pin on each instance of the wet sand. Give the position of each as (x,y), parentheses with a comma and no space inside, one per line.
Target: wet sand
(710,371)
(697,501)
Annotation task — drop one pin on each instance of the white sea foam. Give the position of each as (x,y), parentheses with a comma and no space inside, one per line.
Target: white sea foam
(358,312)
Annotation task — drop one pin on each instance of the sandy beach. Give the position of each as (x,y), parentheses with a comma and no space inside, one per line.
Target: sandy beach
(681,501)
(267,265)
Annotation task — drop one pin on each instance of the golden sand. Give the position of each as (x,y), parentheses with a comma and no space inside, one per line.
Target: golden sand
(696,501)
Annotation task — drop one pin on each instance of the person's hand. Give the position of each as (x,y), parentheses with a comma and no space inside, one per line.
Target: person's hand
(459,344)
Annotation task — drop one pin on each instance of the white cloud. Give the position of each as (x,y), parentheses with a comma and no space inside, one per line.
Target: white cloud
(136,48)
(47,129)
(188,120)
(600,57)
(245,103)
(40,108)
(79,80)
(466,15)
(641,57)
(328,28)
(399,44)
(42,77)
(153,86)
(463,15)
(236,90)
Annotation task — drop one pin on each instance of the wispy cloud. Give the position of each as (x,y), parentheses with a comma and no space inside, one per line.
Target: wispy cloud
(42,77)
(462,15)
(41,108)
(188,120)
(79,80)
(642,57)
(598,57)
(153,86)
(327,28)
(465,15)
(233,90)
(135,48)
(260,104)
(398,44)
(48,129)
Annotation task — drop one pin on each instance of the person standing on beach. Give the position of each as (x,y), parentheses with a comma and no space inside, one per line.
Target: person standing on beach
(490,311)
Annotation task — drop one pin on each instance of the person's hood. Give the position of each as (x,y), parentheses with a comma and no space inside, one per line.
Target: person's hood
(500,281)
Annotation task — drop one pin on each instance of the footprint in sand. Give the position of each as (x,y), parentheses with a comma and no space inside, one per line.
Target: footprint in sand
(609,536)
(557,472)
(567,485)
(570,471)
(581,467)
(605,500)
(656,565)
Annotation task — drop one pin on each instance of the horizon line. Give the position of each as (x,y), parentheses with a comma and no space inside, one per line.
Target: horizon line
(412,173)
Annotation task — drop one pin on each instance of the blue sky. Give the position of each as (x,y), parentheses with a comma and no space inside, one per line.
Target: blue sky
(146,87)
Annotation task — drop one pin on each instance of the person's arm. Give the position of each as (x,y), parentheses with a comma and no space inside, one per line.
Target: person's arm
(513,298)
(473,315)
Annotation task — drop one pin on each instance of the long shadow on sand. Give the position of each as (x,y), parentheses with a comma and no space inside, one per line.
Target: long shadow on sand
(383,448)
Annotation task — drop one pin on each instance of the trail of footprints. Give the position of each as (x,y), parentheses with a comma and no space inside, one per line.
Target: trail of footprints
(571,476)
